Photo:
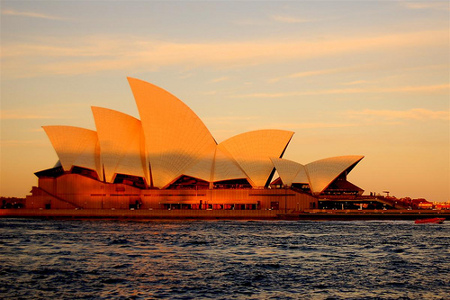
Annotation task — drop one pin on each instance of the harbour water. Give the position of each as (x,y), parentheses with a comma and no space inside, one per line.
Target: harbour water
(100,259)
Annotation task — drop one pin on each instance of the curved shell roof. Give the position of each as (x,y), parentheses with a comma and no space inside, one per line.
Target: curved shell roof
(121,143)
(202,168)
(75,146)
(175,138)
(253,150)
(323,172)
(225,167)
(290,171)
(170,141)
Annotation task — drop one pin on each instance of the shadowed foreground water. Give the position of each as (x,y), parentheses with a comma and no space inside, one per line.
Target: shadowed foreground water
(67,259)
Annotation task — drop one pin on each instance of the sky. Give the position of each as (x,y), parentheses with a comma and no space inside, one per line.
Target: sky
(348,77)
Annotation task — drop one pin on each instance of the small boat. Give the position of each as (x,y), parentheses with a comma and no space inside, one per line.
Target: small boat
(432,221)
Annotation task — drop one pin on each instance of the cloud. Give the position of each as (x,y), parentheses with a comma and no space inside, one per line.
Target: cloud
(402,89)
(287,19)
(356,82)
(39,129)
(220,79)
(21,143)
(230,119)
(423,88)
(292,126)
(412,114)
(83,55)
(11,12)
(273,18)
(16,116)
(439,5)
(314,73)
(309,74)
(210,93)
(357,68)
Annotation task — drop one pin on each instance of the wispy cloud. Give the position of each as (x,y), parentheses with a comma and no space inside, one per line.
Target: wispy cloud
(309,74)
(230,119)
(16,116)
(38,129)
(94,54)
(367,67)
(439,5)
(209,93)
(27,115)
(412,89)
(412,114)
(11,12)
(356,82)
(402,89)
(220,79)
(314,73)
(14,143)
(287,19)
(270,19)
(316,125)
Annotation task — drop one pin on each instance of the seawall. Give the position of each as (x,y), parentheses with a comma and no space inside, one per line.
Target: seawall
(224,214)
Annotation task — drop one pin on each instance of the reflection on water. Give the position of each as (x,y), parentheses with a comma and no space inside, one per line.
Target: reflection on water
(42,259)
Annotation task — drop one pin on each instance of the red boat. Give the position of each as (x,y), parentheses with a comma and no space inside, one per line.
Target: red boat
(433,221)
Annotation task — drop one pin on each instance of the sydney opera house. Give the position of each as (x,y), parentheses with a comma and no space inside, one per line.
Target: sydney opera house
(168,159)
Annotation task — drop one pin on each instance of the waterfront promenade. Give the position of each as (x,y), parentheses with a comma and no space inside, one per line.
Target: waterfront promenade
(313,214)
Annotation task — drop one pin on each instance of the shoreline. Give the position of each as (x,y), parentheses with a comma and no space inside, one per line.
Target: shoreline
(313,214)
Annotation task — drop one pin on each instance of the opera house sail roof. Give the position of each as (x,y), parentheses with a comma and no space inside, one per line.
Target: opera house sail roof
(169,141)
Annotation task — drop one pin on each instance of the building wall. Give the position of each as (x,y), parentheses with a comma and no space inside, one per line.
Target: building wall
(77,191)
(40,199)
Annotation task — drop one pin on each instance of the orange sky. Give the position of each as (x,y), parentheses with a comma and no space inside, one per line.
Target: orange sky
(350,78)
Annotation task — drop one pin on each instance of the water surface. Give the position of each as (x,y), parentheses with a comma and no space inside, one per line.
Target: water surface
(79,259)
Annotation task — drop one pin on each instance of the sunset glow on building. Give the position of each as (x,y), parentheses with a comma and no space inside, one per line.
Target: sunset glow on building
(169,158)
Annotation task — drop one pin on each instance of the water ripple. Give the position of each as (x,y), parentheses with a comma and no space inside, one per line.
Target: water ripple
(43,259)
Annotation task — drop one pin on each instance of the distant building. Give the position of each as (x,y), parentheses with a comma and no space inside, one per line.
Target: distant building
(169,160)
